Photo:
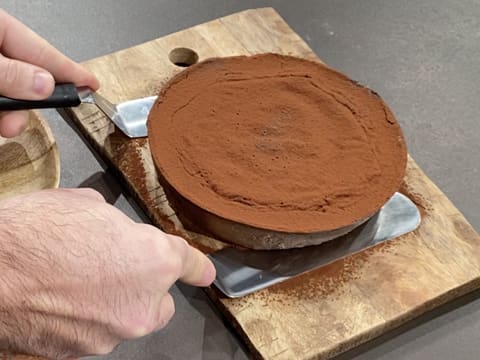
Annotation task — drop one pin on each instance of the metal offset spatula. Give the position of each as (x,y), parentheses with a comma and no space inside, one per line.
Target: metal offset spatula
(241,272)
(130,116)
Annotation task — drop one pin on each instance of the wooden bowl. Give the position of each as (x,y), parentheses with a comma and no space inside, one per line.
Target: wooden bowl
(30,161)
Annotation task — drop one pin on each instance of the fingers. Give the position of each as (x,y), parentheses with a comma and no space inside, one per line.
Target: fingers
(196,268)
(17,41)
(13,123)
(20,80)
(165,311)
(186,263)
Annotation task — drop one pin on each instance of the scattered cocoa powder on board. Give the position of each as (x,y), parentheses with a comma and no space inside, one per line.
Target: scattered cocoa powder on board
(277,142)
(327,281)
(127,156)
(424,206)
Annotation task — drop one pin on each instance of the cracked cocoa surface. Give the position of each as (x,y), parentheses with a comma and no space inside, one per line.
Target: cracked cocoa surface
(277,142)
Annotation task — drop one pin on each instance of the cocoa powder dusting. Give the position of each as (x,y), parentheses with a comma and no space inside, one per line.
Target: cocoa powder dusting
(326,281)
(127,156)
(277,142)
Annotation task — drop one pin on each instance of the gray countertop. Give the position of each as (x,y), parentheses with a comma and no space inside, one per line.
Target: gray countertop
(423,59)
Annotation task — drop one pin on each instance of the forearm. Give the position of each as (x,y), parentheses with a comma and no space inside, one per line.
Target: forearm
(21,252)
(30,316)
(47,305)
(77,276)
(15,276)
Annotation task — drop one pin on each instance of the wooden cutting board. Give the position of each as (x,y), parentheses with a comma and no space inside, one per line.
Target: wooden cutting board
(327,311)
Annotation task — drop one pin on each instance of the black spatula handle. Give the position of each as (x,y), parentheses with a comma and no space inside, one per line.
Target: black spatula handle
(64,95)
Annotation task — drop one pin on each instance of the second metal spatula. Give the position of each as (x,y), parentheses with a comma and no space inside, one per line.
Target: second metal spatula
(130,116)
(241,272)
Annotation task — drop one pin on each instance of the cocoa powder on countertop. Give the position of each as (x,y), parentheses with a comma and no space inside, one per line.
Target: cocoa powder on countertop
(277,142)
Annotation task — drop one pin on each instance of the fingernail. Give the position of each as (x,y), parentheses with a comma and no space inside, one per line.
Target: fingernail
(42,82)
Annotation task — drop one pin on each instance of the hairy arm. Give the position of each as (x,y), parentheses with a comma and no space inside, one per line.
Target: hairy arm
(77,276)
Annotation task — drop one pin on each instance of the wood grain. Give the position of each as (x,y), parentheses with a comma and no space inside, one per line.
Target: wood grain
(324,312)
(29,162)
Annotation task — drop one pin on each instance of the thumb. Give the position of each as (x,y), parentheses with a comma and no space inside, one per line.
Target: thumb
(20,80)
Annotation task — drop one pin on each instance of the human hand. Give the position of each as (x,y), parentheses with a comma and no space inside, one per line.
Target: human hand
(77,276)
(29,67)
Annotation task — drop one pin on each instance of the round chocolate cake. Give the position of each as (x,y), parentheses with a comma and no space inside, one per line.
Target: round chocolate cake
(277,143)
